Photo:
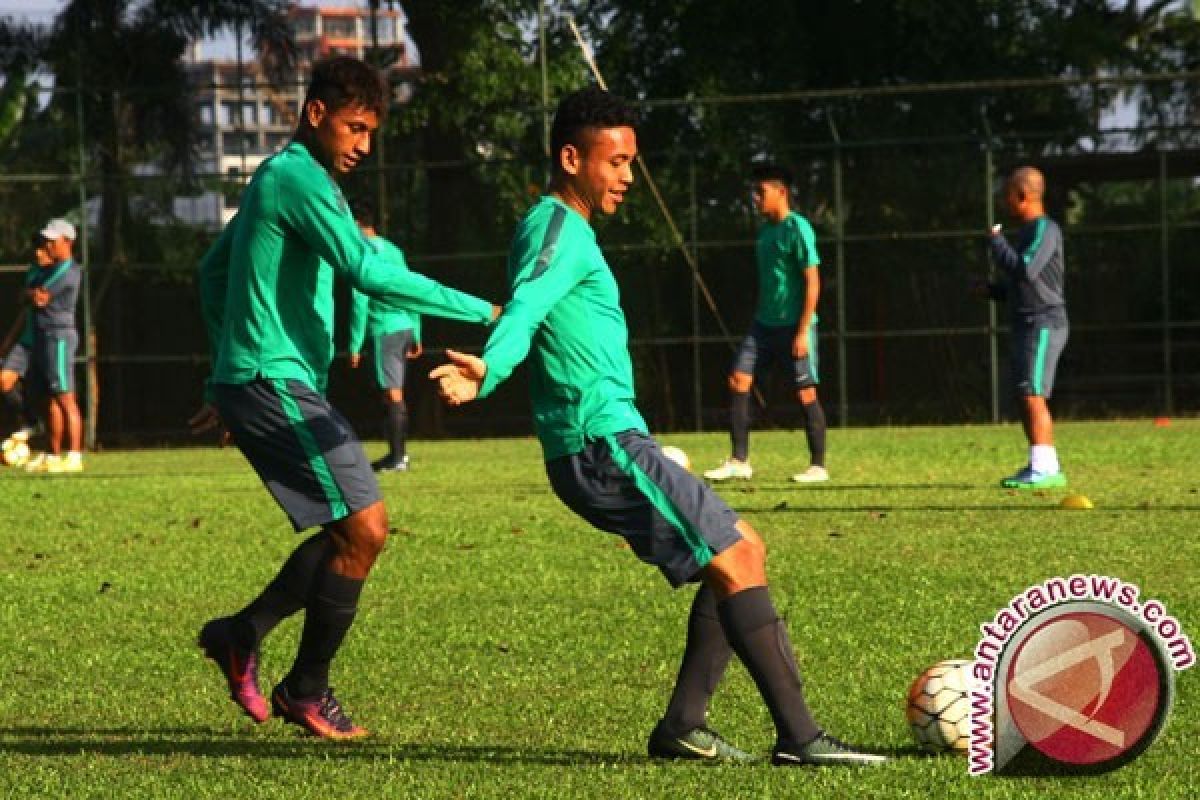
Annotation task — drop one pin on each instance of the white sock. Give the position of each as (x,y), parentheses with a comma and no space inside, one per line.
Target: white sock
(1043,458)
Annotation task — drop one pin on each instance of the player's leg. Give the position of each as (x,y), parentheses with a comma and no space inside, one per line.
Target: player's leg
(805,378)
(391,359)
(759,638)
(308,457)
(304,696)
(1040,351)
(15,365)
(741,381)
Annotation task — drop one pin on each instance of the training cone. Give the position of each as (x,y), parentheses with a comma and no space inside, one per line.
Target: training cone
(1076,502)
(1162,422)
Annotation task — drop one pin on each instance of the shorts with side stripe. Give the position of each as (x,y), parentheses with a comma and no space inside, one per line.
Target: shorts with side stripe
(54,360)
(767,345)
(303,450)
(1035,353)
(390,354)
(623,484)
(17,360)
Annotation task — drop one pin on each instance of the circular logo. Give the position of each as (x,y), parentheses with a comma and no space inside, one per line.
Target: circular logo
(1088,688)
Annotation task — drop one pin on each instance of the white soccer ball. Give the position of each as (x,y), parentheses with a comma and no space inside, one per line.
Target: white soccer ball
(939,707)
(15,453)
(678,456)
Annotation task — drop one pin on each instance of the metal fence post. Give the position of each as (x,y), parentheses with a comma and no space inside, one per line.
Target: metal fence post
(91,407)
(697,384)
(839,235)
(989,170)
(1164,239)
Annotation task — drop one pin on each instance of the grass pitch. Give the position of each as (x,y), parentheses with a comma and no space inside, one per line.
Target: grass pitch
(504,649)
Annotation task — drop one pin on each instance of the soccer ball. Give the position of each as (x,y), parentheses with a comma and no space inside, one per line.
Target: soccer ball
(14,453)
(678,456)
(939,707)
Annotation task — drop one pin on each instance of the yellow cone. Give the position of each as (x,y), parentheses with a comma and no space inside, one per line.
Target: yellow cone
(1076,502)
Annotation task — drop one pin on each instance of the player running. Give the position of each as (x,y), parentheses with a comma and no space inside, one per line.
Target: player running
(267,293)
(565,316)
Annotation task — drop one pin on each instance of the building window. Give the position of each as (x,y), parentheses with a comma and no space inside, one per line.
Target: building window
(206,115)
(341,27)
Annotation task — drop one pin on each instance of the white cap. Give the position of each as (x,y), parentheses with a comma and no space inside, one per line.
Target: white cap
(56,229)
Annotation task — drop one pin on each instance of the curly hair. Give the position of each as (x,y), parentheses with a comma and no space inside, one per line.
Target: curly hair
(588,109)
(343,81)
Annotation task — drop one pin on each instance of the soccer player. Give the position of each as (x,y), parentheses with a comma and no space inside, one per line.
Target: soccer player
(395,339)
(267,294)
(565,316)
(784,330)
(52,299)
(1033,287)
(15,365)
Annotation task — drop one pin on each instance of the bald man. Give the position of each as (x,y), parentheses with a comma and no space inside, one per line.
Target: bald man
(1032,267)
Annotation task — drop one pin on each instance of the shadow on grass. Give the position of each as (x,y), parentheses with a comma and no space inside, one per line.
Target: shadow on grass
(209,743)
(787,507)
(726,488)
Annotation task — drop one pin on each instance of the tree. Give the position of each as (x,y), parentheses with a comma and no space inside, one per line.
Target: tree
(124,59)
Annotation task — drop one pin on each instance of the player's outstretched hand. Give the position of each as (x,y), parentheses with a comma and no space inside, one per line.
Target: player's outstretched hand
(458,382)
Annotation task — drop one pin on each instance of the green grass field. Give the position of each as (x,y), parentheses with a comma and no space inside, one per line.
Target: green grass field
(505,649)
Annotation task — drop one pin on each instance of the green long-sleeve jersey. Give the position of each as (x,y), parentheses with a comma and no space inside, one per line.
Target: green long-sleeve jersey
(373,317)
(565,314)
(266,285)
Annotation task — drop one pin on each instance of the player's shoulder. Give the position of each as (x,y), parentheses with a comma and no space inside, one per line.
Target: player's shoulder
(798,223)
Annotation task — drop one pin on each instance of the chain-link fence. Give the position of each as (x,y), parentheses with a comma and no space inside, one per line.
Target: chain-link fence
(899,220)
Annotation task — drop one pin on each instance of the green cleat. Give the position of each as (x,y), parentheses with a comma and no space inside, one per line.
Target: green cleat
(698,744)
(1028,478)
(824,751)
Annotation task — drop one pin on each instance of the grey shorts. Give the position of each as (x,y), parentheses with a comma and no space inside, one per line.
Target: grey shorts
(390,352)
(301,447)
(54,360)
(624,485)
(17,360)
(767,345)
(1035,353)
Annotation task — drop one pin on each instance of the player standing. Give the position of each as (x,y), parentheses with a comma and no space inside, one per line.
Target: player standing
(565,316)
(55,341)
(267,292)
(784,330)
(395,335)
(1033,287)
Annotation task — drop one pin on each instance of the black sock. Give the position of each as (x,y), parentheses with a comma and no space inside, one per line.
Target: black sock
(285,595)
(705,657)
(760,640)
(397,430)
(739,424)
(814,431)
(14,398)
(327,618)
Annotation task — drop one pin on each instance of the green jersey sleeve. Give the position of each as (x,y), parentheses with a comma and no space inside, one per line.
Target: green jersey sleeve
(359,310)
(542,279)
(807,241)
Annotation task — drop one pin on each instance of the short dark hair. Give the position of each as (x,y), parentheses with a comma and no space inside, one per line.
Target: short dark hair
(343,81)
(772,172)
(585,109)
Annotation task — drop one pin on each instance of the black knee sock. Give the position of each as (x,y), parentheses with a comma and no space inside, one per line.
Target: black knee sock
(14,398)
(285,595)
(814,431)
(705,657)
(739,424)
(328,616)
(397,430)
(760,640)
